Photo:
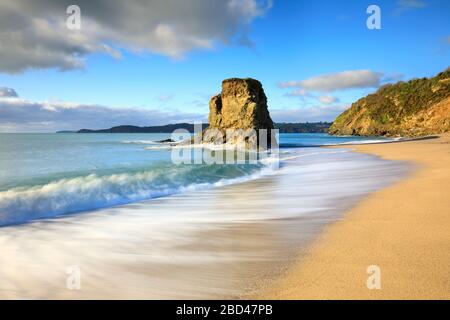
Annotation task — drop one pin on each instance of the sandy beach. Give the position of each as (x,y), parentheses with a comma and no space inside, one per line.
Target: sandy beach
(403,229)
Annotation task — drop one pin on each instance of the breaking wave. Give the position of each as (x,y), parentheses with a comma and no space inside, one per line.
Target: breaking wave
(141,142)
(71,195)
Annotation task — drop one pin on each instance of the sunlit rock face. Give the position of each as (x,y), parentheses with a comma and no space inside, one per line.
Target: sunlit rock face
(239,115)
(415,108)
(242,104)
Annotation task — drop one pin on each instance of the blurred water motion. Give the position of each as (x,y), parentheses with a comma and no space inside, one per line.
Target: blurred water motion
(219,243)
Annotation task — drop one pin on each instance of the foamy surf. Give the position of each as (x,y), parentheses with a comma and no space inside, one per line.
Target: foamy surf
(368,141)
(140,142)
(90,192)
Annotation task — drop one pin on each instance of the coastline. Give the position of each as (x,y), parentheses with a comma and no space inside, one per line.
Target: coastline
(403,228)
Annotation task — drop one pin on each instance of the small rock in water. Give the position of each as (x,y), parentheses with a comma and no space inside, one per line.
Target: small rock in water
(166,141)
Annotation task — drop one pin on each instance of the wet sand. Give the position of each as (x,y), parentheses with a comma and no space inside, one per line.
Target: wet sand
(226,242)
(404,229)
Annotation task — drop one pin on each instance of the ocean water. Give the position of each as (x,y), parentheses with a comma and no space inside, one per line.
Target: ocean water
(137,226)
(47,175)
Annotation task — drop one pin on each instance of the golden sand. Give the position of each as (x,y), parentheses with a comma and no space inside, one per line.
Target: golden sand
(403,229)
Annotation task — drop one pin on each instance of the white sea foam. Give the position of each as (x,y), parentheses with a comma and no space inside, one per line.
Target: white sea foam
(368,141)
(141,142)
(93,191)
(209,146)
(161,147)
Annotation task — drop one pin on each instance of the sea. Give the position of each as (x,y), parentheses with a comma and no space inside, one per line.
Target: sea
(134,224)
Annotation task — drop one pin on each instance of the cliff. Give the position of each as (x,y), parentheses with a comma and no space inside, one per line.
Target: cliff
(415,108)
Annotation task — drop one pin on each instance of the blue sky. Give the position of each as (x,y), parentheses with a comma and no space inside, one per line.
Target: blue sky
(284,45)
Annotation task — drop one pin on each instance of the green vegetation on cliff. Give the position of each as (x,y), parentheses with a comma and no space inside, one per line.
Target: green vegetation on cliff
(414,108)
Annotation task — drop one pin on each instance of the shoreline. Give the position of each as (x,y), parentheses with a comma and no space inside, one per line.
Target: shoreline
(403,228)
(225,243)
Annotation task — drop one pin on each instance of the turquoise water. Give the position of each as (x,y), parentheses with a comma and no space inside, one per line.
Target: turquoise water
(45,175)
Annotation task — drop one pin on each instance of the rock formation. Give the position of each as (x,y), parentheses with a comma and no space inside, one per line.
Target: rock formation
(415,108)
(240,107)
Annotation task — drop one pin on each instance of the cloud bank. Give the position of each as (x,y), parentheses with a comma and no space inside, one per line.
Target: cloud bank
(337,81)
(317,88)
(33,34)
(21,115)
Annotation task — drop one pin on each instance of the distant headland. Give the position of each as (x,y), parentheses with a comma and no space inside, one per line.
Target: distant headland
(294,127)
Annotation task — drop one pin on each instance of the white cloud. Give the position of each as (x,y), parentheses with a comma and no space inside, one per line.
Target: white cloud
(7,92)
(409,4)
(305,95)
(20,115)
(298,93)
(33,34)
(406,5)
(338,81)
(309,114)
(328,99)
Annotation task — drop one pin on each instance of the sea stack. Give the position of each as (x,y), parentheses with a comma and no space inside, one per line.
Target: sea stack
(240,107)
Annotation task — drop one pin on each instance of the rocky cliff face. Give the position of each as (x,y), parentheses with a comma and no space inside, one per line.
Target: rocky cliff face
(241,106)
(414,108)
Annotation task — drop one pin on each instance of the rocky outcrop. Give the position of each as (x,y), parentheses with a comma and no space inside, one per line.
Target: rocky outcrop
(240,108)
(415,108)
(242,104)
